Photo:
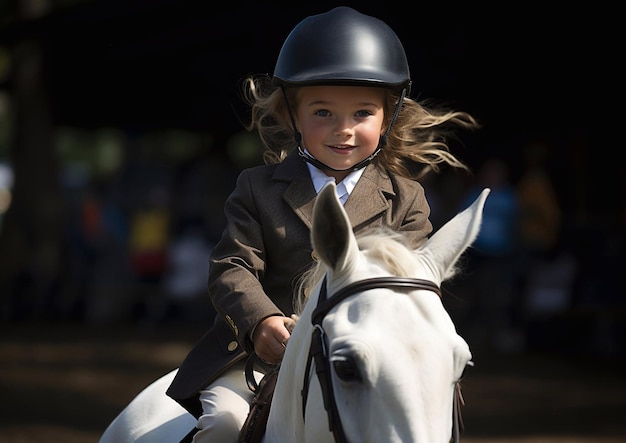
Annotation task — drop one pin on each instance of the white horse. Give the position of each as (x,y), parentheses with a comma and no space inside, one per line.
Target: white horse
(386,355)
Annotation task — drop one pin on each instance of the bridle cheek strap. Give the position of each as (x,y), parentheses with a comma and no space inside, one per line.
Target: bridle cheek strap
(318,354)
(322,368)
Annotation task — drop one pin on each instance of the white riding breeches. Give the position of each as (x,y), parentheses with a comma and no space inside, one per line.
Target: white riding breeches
(225,406)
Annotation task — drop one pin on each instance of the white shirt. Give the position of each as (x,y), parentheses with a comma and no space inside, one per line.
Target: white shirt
(344,187)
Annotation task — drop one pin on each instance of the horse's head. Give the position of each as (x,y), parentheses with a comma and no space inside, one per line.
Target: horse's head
(385,350)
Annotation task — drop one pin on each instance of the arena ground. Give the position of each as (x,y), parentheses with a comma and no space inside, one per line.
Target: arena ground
(65,383)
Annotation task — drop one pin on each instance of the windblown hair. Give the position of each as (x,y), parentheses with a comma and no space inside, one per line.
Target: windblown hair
(382,245)
(417,143)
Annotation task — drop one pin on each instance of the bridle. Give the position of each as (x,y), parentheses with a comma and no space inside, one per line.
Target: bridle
(318,351)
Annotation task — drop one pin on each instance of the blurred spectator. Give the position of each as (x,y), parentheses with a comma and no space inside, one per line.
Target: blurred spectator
(149,251)
(97,283)
(149,237)
(185,282)
(540,212)
(550,268)
(499,234)
(492,271)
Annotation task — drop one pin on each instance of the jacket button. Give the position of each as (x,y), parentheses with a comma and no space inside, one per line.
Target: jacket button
(232,345)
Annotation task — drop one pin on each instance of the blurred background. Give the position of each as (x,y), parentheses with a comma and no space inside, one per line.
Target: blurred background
(121,135)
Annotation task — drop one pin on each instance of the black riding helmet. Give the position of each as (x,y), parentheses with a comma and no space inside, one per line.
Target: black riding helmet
(343,47)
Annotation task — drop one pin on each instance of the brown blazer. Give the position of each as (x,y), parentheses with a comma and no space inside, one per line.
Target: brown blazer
(266,246)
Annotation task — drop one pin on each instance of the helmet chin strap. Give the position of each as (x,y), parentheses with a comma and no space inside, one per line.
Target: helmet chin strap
(324,167)
(363,163)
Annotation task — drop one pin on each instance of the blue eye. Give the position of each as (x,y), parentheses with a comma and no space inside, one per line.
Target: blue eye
(322,113)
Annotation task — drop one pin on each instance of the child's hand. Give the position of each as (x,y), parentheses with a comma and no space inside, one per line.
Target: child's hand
(271,337)
(290,322)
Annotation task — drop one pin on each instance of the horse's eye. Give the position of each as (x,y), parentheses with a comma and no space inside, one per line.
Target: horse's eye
(346,369)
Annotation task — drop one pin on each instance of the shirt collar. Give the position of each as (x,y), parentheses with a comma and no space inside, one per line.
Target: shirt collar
(344,188)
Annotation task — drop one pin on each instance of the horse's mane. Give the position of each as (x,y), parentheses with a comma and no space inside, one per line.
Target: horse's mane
(379,244)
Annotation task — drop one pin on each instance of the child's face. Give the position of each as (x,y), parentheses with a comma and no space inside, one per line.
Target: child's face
(340,125)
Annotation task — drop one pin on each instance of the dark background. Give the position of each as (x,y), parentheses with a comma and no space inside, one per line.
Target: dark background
(160,79)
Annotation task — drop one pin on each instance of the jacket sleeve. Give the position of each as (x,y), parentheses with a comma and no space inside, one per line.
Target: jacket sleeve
(237,266)
(414,213)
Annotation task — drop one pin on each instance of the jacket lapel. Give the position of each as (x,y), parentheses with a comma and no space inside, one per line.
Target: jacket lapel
(369,197)
(300,193)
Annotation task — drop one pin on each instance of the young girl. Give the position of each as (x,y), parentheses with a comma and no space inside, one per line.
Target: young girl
(336,108)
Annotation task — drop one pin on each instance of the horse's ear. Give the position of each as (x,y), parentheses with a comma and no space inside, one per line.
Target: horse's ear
(453,238)
(331,235)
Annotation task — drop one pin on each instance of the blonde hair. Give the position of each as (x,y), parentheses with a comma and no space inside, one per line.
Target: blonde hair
(417,142)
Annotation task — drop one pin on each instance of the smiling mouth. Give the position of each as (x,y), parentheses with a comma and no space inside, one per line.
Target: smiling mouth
(341,147)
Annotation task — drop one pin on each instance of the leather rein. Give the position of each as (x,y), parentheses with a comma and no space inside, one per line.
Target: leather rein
(318,351)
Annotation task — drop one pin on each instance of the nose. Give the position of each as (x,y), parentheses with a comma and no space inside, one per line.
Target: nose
(343,126)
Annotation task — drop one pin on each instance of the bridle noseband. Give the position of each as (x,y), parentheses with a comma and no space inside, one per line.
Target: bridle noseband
(318,351)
